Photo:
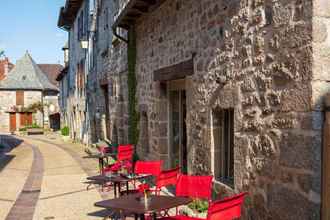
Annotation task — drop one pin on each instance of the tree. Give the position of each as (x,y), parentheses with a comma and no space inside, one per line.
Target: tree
(2,53)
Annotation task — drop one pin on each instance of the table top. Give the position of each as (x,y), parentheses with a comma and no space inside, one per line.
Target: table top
(117,178)
(99,155)
(132,203)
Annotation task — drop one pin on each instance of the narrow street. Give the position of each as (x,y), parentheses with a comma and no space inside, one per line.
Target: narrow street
(43,177)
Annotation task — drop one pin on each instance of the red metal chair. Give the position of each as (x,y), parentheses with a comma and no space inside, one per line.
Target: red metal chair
(227,209)
(166,178)
(148,167)
(197,187)
(145,167)
(124,158)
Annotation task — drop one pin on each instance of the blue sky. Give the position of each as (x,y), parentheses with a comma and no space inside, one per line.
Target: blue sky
(32,25)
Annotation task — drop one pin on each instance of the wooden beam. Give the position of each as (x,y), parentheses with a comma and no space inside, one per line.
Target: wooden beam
(174,72)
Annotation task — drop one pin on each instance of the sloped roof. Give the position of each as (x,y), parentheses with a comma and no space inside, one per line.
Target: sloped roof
(27,75)
(51,71)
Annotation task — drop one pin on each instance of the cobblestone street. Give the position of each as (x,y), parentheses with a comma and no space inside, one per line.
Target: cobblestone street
(43,177)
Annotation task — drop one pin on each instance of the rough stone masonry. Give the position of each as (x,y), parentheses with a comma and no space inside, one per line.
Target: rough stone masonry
(269,61)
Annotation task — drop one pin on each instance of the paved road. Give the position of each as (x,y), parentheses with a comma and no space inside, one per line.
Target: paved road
(42,177)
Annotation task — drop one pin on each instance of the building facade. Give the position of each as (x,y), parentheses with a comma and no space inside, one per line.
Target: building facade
(229,88)
(27,96)
(75,19)
(235,89)
(104,99)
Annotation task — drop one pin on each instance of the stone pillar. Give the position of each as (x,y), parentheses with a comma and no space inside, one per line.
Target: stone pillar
(326,162)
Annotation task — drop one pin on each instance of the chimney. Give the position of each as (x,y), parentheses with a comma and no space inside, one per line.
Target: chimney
(6,67)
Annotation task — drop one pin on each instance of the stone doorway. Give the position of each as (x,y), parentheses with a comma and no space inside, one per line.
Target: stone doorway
(178,127)
(12,121)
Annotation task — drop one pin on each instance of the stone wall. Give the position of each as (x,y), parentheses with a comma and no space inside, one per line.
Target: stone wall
(256,57)
(117,78)
(8,100)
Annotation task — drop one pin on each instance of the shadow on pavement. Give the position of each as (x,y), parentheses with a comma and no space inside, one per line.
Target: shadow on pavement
(4,160)
(7,144)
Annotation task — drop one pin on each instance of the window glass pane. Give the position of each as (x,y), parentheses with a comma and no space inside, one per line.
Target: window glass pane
(175,142)
(223,136)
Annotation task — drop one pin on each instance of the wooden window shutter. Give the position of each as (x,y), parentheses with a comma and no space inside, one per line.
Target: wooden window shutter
(20,98)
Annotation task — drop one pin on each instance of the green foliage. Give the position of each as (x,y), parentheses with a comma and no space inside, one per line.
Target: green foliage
(199,205)
(22,129)
(34,125)
(65,131)
(133,132)
(37,106)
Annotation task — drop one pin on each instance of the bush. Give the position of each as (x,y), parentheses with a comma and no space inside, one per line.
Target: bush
(199,205)
(34,125)
(65,131)
(22,129)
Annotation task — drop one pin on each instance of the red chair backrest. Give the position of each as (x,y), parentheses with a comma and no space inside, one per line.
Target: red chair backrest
(227,209)
(167,177)
(148,167)
(194,186)
(125,152)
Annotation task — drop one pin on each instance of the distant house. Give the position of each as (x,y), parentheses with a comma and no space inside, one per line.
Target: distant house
(52,102)
(5,67)
(24,95)
(51,71)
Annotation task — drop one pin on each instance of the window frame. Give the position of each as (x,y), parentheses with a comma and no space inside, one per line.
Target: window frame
(223,172)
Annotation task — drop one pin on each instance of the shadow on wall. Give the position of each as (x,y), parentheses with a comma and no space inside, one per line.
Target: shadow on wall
(7,143)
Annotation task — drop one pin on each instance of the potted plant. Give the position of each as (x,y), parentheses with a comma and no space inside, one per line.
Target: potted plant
(65,133)
(197,208)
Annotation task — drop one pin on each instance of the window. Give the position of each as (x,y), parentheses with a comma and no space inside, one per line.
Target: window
(20,98)
(82,28)
(223,137)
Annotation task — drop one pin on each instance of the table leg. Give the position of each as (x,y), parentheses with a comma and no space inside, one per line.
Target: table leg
(127,187)
(100,168)
(154,216)
(136,217)
(115,189)
(142,216)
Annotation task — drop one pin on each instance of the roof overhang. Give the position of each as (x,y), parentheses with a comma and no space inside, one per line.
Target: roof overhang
(133,10)
(68,13)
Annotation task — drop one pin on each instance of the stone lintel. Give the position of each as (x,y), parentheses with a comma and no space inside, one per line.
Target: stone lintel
(174,72)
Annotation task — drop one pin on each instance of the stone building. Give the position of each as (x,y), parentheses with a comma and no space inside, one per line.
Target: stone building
(232,88)
(52,110)
(24,94)
(104,98)
(235,89)
(63,82)
(75,17)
